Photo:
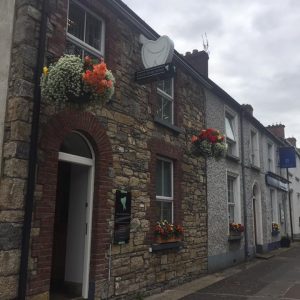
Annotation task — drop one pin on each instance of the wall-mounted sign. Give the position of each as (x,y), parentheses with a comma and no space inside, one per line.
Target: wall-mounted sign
(156,73)
(122,217)
(287,157)
(277,182)
(156,53)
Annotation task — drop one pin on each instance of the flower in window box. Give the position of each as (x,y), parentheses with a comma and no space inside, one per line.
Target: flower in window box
(275,229)
(71,79)
(165,232)
(209,143)
(236,228)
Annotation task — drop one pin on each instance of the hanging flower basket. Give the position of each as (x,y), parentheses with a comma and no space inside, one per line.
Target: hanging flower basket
(165,232)
(72,80)
(209,143)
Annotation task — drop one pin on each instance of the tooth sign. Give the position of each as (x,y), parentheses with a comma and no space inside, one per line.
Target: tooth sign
(155,53)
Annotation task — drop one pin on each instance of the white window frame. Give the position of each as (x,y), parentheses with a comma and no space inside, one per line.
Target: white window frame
(254,148)
(170,98)
(81,44)
(232,118)
(237,196)
(164,198)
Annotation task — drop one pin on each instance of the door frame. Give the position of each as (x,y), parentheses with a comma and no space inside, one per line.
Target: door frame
(90,163)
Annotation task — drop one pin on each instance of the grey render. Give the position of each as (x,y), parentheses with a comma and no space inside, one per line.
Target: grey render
(252,179)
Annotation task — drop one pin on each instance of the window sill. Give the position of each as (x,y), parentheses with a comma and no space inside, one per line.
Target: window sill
(167,125)
(233,158)
(254,167)
(166,246)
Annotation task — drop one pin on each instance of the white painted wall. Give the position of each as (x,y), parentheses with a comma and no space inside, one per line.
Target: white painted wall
(76,224)
(7,11)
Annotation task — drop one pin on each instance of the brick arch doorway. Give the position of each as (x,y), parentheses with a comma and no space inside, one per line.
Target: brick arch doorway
(58,129)
(73,217)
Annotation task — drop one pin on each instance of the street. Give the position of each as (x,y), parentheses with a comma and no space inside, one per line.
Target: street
(275,278)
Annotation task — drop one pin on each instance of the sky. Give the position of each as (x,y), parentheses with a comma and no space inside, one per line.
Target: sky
(254,49)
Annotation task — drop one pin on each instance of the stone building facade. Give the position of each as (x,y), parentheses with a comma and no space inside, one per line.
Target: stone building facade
(122,143)
(245,187)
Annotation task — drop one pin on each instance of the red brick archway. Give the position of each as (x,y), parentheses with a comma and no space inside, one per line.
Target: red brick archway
(43,220)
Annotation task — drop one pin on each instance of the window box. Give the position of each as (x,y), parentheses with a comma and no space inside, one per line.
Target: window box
(166,246)
(160,240)
(233,237)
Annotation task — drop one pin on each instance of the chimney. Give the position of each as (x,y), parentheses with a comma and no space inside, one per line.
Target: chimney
(292,141)
(199,60)
(248,108)
(277,130)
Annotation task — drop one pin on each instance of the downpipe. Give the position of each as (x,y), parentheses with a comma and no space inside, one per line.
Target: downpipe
(29,197)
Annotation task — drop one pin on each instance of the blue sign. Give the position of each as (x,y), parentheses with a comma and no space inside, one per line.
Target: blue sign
(287,157)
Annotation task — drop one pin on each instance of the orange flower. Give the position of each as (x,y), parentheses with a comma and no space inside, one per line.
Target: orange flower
(194,139)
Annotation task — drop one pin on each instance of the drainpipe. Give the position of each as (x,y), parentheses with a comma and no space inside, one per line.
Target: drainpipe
(29,197)
(244,184)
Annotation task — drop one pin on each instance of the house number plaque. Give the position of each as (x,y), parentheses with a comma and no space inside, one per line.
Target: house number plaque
(122,217)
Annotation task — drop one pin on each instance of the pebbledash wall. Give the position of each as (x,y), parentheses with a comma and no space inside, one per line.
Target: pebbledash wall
(223,253)
(126,141)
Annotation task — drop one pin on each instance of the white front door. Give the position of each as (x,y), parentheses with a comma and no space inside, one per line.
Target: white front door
(78,242)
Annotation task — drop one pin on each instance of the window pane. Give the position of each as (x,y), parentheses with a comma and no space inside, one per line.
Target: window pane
(159,112)
(231,213)
(163,211)
(158,211)
(73,49)
(76,20)
(159,178)
(76,145)
(229,128)
(167,211)
(230,189)
(166,86)
(167,179)
(167,110)
(93,32)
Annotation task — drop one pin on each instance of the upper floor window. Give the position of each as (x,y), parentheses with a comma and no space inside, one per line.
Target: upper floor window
(233,198)
(270,161)
(164,190)
(85,31)
(165,96)
(254,148)
(230,131)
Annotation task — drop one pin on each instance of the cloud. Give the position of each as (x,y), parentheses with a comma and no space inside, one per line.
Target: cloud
(254,48)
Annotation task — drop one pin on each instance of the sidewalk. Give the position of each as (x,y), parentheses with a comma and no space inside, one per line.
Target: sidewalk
(183,290)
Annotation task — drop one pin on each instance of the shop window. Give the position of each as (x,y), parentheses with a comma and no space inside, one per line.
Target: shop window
(164,190)
(231,133)
(233,198)
(85,32)
(165,98)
